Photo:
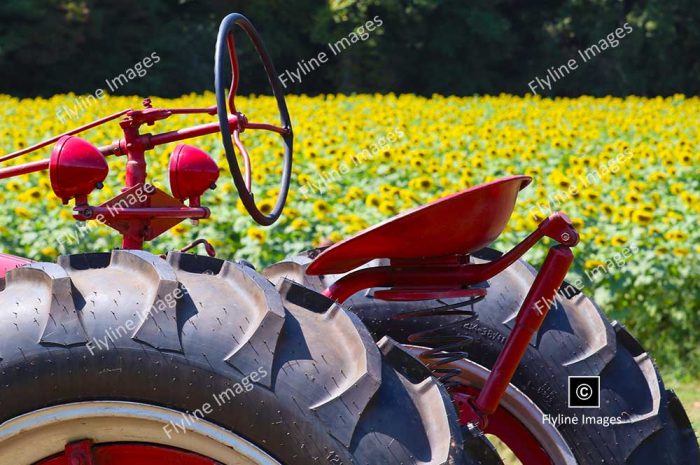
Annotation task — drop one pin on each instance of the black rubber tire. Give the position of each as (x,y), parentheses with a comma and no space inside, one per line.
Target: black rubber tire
(331,396)
(575,339)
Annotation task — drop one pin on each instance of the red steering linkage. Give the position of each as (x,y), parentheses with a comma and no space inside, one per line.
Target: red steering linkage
(422,278)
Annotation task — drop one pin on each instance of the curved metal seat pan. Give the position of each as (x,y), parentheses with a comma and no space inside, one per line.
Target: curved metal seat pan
(456,224)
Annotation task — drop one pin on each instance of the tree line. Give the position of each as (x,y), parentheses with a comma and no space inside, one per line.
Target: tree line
(419,46)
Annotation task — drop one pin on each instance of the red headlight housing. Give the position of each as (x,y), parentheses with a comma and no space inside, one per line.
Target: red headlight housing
(76,169)
(192,172)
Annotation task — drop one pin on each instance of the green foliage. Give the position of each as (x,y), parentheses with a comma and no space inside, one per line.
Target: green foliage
(639,244)
(424,46)
(658,302)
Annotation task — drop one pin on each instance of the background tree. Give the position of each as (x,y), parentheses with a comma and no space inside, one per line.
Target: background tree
(424,46)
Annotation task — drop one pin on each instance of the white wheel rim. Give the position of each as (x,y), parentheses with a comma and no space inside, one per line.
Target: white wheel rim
(519,406)
(40,434)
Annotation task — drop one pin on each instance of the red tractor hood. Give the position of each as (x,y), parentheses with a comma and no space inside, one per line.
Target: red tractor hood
(9,262)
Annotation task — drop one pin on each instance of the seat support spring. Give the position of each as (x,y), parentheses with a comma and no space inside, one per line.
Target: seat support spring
(448,342)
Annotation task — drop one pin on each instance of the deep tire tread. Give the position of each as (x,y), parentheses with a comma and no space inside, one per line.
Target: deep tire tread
(575,339)
(331,395)
(62,325)
(158,327)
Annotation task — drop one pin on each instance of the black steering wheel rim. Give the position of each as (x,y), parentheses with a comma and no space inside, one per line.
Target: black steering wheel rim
(221,59)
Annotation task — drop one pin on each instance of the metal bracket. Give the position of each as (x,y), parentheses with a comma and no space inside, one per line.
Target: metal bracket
(79,453)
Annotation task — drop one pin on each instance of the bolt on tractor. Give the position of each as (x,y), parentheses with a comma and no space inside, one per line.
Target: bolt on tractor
(411,342)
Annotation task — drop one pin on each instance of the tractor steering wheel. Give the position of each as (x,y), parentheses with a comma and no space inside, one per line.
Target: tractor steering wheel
(225,46)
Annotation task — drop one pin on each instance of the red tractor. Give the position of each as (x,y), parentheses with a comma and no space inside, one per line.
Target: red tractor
(407,343)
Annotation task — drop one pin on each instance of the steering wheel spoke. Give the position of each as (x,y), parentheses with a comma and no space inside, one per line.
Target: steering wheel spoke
(231,134)
(268,127)
(235,72)
(246,160)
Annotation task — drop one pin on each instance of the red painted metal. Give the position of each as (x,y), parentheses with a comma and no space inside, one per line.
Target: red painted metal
(456,224)
(246,159)
(10,262)
(134,236)
(76,172)
(25,168)
(188,133)
(267,127)
(504,426)
(72,132)
(428,247)
(415,274)
(76,168)
(149,141)
(141,225)
(142,204)
(207,247)
(444,271)
(145,212)
(192,172)
(85,453)
(211,110)
(79,453)
(414,294)
(528,321)
(235,73)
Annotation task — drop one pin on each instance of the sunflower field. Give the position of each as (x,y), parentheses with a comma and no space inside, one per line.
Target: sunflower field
(626,170)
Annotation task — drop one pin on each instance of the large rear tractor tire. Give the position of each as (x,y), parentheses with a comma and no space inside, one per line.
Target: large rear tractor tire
(203,361)
(576,339)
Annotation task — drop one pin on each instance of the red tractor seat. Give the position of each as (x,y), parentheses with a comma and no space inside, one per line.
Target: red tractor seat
(457,224)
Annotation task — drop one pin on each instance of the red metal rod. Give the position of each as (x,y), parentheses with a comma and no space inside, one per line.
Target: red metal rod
(387,276)
(246,159)
(150,141)
(504,426)
(111,149)
(133,239)
(42,165)
(530,317)
(356,281)
(24,169)
(432,293)
(146,213)
(231,44)
(69,133)
(191,111)
(267,127)
(557,226)
(136,175)
(207,247)
(457,276)
(188,133)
